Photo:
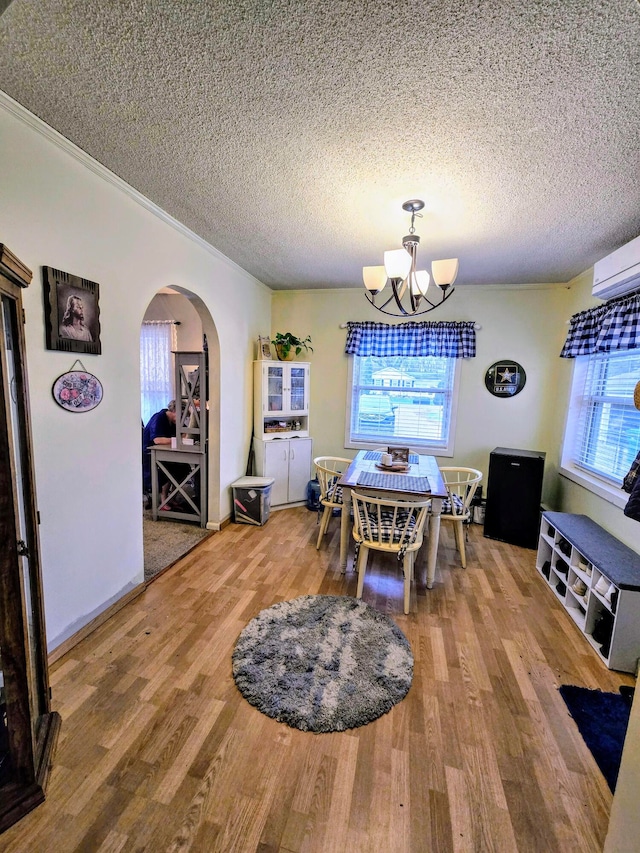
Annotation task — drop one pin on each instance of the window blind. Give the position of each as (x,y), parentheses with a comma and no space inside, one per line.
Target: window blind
(608,437)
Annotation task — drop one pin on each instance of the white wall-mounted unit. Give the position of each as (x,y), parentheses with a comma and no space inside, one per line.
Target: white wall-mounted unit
(619,273)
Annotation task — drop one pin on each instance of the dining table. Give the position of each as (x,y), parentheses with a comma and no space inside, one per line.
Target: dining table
(422,479)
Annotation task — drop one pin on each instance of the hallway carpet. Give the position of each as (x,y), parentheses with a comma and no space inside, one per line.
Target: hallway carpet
(164,542)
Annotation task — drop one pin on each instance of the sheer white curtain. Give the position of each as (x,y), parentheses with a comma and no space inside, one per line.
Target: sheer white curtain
(157,340)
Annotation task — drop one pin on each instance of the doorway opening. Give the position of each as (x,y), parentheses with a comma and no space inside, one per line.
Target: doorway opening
(178,321)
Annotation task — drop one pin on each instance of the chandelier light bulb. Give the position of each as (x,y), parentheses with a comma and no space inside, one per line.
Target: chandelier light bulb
(445,272)
(374,279)
(397,263)
(420,283)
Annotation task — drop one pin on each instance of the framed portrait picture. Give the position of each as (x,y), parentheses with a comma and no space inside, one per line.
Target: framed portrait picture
(72,312)
(264,349)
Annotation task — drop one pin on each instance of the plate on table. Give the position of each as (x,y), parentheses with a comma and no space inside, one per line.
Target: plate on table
(397,467)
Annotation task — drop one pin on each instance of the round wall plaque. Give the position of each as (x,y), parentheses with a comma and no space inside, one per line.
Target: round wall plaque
(505,378)
(77,391)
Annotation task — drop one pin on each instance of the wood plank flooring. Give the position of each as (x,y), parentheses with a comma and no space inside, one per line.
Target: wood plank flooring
(159,752)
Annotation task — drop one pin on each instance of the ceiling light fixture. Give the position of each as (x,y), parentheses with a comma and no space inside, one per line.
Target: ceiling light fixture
(400,271)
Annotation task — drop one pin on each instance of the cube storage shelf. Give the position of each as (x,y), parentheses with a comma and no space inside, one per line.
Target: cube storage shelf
(575,553)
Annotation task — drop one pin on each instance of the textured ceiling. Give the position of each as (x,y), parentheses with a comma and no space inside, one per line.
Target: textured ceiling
(287,133)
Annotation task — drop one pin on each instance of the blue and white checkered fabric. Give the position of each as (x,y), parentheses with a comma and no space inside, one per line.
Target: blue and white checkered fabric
(400,482)
(389,532)
(334,493)
(457,502)
(444,339)
(612,326)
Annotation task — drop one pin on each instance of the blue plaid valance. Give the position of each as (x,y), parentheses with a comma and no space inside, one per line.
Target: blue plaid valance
(612,326)
(446,339)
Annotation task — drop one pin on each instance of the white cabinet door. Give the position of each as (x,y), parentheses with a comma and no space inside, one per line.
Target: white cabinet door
(298,387)
(299,468)
(276,464)
(274,392)
(281,399)
(285,388)
(288,461)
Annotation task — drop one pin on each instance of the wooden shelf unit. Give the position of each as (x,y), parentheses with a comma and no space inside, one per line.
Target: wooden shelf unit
(573,548)
(185,465)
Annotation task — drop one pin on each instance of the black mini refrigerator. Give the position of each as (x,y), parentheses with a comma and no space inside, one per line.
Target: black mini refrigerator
(514,492)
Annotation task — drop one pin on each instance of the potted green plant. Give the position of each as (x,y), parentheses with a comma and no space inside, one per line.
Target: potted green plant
(287,345)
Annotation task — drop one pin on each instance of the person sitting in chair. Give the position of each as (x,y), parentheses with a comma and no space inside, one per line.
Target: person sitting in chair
(160,429)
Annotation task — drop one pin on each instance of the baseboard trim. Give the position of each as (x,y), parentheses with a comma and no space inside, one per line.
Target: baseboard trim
(90,627)
(217,526)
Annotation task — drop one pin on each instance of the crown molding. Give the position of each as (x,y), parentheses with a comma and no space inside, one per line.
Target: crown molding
(51,135)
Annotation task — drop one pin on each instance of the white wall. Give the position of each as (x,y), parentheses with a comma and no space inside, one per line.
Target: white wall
(527,325)
(57,209)
(176,307)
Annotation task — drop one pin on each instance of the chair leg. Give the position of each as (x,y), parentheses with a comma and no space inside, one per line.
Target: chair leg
(460,541)
(407,570)
(324,523)
(361,569)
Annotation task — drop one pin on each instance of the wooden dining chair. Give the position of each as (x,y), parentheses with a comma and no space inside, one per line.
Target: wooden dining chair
(393,526)
(461,486)
(329,470)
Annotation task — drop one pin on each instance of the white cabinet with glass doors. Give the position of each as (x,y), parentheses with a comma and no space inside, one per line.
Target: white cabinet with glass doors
(281,399)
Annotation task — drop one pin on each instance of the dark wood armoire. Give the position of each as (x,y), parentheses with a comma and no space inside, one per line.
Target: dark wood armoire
(28,727)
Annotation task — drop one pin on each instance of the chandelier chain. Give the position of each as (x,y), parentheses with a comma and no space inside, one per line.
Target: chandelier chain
(412,227)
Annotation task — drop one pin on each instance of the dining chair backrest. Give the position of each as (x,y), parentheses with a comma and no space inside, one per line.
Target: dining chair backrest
(328,471)
(461,484)
(394,526)
(389,525)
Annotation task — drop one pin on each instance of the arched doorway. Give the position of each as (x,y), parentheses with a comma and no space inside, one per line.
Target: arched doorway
(192,330)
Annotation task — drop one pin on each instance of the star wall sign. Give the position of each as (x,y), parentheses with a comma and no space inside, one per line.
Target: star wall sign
(505,378)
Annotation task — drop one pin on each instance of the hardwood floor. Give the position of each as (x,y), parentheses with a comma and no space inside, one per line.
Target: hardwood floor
(159,752)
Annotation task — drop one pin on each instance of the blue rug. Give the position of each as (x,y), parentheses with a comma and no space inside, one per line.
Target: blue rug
(602,720)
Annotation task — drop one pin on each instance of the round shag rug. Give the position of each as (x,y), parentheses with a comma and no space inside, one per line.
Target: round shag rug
(322,663)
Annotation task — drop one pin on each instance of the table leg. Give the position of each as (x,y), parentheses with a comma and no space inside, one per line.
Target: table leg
(434,535)
(202,478)
(345,527)
(154,488)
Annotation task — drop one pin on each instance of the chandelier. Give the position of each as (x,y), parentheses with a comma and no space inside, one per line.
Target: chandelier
(412,292)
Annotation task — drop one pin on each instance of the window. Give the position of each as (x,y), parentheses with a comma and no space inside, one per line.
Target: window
(403,382)
(407,399)
(602,436)
(157,340)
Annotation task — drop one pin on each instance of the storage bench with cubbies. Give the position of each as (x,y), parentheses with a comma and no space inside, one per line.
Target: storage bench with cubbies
(597,579)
